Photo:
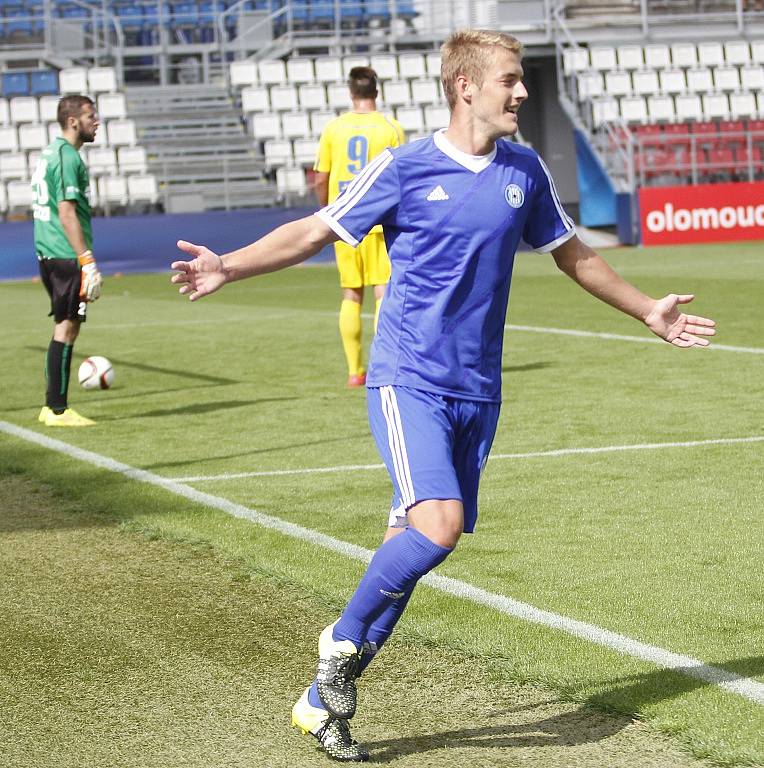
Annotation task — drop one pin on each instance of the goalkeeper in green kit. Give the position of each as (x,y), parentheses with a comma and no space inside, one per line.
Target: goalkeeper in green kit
(63,239)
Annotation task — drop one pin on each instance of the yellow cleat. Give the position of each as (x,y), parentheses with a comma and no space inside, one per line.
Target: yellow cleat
(69,418)
(44,411)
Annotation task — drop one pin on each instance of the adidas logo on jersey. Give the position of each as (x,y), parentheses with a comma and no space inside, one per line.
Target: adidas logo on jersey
(438,194)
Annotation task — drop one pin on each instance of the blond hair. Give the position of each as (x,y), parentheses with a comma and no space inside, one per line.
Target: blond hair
(468,52)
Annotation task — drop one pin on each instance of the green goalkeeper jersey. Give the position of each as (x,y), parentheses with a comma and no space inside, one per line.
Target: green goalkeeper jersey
(60,175)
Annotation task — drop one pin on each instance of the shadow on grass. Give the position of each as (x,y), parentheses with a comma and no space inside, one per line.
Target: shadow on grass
(195,409)
(527,367)
(568,729)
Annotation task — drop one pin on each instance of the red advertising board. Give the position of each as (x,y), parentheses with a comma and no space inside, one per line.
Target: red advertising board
(704,213)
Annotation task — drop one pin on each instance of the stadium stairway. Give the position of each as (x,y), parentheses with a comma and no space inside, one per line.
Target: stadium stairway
(198,148)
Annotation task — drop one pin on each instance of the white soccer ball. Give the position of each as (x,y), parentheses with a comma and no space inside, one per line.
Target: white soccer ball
(96,372)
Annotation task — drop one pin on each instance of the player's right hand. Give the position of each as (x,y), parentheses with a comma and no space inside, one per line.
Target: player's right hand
(90,277)
(203,275)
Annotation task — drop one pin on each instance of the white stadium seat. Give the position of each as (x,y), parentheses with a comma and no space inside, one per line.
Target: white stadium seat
(590,85)
(54,131)
(660,108)
(757,51)
(284,98)
(617,83)
(385,65)
(49,108)
(411,65)
(634,109)
(101,137)
(425,91)
(266,126)
(295,125)
(699,80)
(73,80)
(122,133)
(102,80)
(710,54)
(630,57)
(33,136)
(752,77)
(396,93)
(142,188)
(305,151)
(13,165)
(272,71)
(737,52)
(684,54)
(5,112)
(132,160)
(3,198)
(575,60)
(645,82)
(112,189)
(716,106)
(410,118)
(318,121)
(348,62)
(291,179)
(24,109)
(337,96)
(243,73)
(688,107)
(604,110)
(311,96)
(32,159)
(742,104)
(436,116)
(657,56)
(726,78)
(603,57)
(255,98)
(328,69)
(102,161)
(277,152)
(111,105)
(300,70)
(19,195)
(672,81)
(9,138)
(432,64)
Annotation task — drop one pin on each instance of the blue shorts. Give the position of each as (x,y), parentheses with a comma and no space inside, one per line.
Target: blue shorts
(434,446)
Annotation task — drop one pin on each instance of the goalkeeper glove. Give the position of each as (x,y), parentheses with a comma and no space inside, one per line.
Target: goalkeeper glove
(90,277)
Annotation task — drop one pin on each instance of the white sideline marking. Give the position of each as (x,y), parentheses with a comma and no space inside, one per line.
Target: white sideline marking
(620,337)
(742,686)
(491,457)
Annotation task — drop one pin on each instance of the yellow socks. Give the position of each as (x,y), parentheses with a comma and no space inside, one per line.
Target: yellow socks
(350,331)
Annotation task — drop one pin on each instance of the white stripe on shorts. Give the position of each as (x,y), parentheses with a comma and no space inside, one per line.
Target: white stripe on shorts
(397,445)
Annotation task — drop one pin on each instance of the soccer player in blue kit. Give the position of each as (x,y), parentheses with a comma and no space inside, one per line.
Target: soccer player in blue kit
(453,208)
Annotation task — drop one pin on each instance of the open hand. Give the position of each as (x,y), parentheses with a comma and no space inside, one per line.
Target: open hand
(679,329)
(203,275)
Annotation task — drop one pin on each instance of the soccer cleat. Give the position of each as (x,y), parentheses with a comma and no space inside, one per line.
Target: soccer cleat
(44,411)
(339,664)
(332,733)
(69,418)
(357,380)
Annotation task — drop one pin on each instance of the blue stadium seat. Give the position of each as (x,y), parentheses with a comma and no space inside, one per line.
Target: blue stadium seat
(322,12)
(378,9)
(130,17)
(15,84)
(185,15)
(43,82)
(18,22)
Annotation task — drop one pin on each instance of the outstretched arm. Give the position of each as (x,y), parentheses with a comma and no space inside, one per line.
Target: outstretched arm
(287,245)
(663,316)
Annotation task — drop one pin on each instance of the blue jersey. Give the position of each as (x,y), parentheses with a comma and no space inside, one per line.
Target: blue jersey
(452,224)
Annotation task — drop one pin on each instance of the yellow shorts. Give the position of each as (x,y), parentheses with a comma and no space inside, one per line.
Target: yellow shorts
(366,265)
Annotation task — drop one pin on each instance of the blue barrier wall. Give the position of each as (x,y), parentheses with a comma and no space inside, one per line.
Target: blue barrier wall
(597,199)
(147,243)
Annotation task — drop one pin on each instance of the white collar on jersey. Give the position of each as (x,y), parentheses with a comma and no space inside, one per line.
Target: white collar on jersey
(474,163)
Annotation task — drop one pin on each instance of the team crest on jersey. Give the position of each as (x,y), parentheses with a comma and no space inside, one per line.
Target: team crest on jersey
(514,195)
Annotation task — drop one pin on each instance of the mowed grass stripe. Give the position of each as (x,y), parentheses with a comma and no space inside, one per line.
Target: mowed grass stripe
(492,457)
(745,687)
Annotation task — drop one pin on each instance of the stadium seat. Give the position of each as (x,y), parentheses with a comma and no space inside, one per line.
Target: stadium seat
(112,189)
(132,160)
(410,118)
(657,56)
(630,57)
(660,108)
(142,188)
(33,158)
(699,80)
(15,84)
(305,151)
(318,121)
(272,72)
(266,126)
(684,54)
(255,98)
(396,93)
(9,138)
(3,198)
(243,73)
(48,106)
(32,136)
(102,80)
(575,60)
(122,133)
(633,109)
(13,165)
(300,70)
(348,62)
(716,106)
(617,83)
(291,180)
(757,51)
(688,107)
(111,105)
(752,77)
(19,195)
(425,91)
(295,125)
(311,96)
(710,54)
(328,69)
(5,112)
(726,78)
(385,65)
(337,96)
(54,131)
(603,58)
(590,85)
(277,152)
(672,81)
(737,52)
(742,104)
(102,161)
(645,82)
(411,65)
(73,80)
(24,109)
(432,64)
(42,82)
(284,98)
(436,117)
(604,110)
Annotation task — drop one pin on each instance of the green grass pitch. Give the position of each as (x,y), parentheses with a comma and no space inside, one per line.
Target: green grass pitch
(141,629)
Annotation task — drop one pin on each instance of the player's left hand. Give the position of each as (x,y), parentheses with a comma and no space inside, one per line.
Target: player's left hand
(203,275)
(667,321)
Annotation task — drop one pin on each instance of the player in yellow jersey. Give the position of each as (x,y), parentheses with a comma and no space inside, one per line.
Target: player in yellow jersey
(347,144)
